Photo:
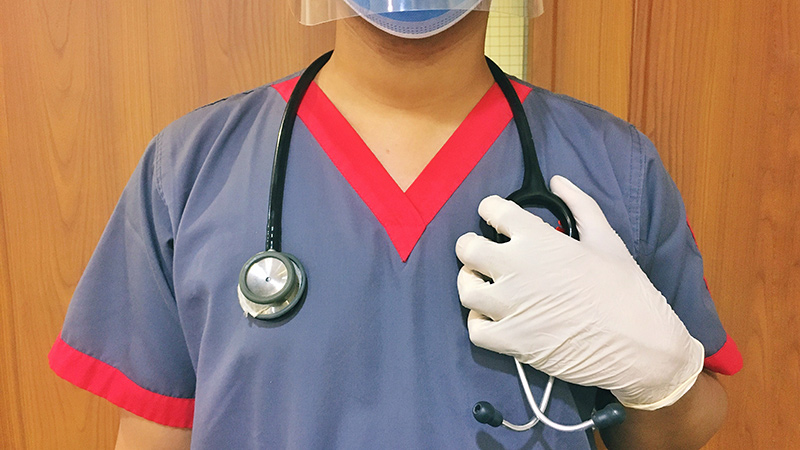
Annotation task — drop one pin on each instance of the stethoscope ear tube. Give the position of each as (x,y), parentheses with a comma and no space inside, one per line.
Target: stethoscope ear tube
(534,192)
(278,181)
(484,412)
(272,282)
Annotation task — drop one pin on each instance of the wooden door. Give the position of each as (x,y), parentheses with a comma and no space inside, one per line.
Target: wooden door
(716,86)
(84,84)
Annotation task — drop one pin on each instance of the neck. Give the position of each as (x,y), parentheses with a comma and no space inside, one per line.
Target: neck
(409,74)
(406,97)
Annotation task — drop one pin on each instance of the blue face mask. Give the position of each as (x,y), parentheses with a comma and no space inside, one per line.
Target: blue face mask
(414,24)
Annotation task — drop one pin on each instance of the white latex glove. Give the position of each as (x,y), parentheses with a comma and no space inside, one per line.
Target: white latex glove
(581,311)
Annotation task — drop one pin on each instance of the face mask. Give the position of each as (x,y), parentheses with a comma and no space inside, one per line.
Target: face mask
(409,18)
(413,23)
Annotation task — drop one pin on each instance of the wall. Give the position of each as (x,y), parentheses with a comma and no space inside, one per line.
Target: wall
(84,84)
(716,86)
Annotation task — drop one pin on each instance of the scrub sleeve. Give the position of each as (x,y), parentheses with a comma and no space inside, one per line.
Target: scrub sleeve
(122,337)
(668,254)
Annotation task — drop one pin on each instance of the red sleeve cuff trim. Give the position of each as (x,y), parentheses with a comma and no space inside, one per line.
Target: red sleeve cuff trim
(727,361)
(101,379)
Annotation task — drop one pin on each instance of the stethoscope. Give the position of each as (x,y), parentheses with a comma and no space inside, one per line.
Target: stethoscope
(273,282)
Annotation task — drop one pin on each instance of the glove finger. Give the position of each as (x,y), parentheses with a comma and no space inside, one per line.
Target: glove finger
(475,294)
(593,226)
(580,203)
(480,254)
(488,334)
(480,331)
(507,217)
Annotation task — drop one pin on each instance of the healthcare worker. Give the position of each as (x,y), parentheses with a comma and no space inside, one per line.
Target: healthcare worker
(402,139)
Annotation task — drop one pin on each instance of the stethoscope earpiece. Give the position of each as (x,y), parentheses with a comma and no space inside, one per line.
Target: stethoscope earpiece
(612,414)
(270,284)
(484,412)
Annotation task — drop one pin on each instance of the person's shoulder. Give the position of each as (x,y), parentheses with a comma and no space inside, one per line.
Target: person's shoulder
(225,120)
(581,122)
(238,110)
(212,136)
(575,114)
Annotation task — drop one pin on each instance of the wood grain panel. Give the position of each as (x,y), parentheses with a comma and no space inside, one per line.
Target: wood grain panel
(84,85)
(46,115)
(10,420)
(583,49)
(717,88)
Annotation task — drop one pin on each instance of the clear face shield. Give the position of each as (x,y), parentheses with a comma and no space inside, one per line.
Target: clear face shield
(313,12)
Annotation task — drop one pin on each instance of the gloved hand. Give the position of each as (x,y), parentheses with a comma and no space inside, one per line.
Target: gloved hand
(581,311)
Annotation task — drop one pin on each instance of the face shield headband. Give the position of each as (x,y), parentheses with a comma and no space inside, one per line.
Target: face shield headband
(313,12)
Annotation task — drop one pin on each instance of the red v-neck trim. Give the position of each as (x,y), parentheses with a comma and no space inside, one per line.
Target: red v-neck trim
(404,215)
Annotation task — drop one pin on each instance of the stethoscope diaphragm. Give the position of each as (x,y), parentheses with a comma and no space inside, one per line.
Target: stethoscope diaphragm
(271,283)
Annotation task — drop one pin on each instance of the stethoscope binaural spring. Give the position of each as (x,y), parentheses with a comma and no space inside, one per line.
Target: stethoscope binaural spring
(272,283)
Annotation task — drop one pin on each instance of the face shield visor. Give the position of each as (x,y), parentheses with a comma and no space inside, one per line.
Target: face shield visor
(313,12)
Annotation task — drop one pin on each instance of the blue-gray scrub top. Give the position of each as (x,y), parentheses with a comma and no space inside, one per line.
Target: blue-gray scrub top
(378,355)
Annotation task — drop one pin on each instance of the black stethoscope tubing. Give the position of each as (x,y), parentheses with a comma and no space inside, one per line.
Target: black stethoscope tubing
(532,193)
(275,214)
(283,295)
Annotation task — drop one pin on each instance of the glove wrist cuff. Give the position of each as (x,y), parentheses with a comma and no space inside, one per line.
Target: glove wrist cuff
(679,391)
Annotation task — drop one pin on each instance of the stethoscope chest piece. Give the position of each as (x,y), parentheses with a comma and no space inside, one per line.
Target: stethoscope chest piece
(271,283)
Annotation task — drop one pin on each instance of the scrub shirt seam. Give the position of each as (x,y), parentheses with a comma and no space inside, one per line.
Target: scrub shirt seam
(637,187)
(158,173)
(572,100)
(118,362)
(168,296)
